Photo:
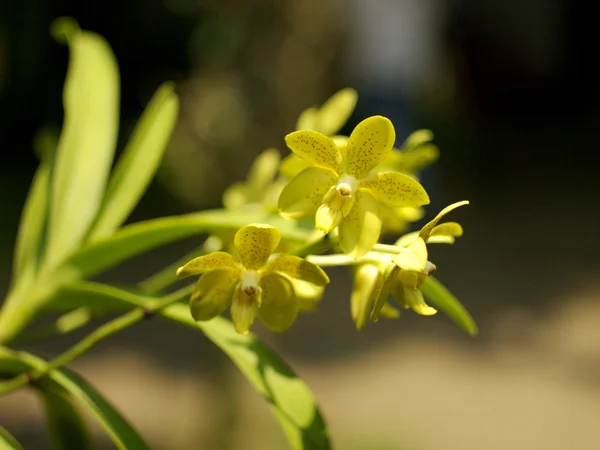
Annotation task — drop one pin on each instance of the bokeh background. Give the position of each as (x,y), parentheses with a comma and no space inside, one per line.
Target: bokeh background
(509,88)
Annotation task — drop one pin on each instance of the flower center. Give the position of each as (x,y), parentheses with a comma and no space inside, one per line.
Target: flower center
(250,282)
(347,185)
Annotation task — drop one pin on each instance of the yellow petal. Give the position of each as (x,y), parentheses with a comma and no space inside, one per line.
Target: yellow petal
(243,310)
(360,230)
(330,213)
(426,230)
(308,119)
(263,171)
(368,280)
(389,278)
(213,293)
(451,229)
(279,307)
(212,261)
(297,267)
(292,165)
(396,219)
(396,189)
(413,258)
(336,111)
(368,145)
(315,148)
(389,312)
(307,294)
(304,193)
(416,302)
(235,196)
(255,243)
(418,138)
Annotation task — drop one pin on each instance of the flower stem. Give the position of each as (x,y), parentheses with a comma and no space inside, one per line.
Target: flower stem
(386,248)
(335,260)
(99,334)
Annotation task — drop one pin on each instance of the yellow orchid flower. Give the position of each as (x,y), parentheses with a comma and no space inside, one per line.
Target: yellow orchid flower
(416,152)
(340,187)
(399,274)
(259,284)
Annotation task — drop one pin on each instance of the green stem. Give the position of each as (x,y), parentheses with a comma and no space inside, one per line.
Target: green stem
(338,259)
(386,248)
(99,334)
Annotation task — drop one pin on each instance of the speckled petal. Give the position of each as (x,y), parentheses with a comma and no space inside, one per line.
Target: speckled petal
(279,307)
(304,193)
(360,230)
(316,148)
(255,243)
(396,189)
(243,310)
(205,263)
(297,267)
(368,145)
(213,293)
(426,230)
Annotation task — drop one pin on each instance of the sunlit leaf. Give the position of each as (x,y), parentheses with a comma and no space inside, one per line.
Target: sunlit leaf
(64,380)
(7,441)
(138,163)
(31,228)
(292,401)
(87,142)
(443,300)
(65,424)
(134,239)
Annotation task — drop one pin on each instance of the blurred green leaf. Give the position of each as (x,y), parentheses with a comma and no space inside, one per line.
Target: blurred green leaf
(65,425)
(87,142)
(442,299)
(134,239)
(31,229)
(290,398)
(138,163)
(63,380)
(7,441)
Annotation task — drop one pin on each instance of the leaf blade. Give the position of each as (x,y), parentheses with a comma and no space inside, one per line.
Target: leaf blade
(437,294)
(134,239)
(115,425)
(139,161)
(65,425)
(87,142)
(7,441)
(289,397)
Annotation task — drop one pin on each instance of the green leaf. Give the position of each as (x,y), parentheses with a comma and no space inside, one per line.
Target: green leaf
(87,142)
(292,401)
(7,441)
(138,163)
(442,299)
(63,380)
(31,229)
(66,427)
(134,239)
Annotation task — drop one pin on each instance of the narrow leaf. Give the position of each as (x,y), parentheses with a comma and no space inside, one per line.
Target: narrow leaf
(7,441)
(443,300)
(59,380)
(138,163)
(292,402)
(87,142)
(65,425)
(31,228)
(134,239)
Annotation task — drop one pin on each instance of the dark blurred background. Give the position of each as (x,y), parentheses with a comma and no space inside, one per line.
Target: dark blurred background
(510,90)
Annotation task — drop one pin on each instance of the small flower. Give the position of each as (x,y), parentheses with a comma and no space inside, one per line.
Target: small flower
(400,275)
(260,283)
(340,187)
(332,115)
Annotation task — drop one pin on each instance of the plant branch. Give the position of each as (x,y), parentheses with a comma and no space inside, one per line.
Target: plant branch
(99,334)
